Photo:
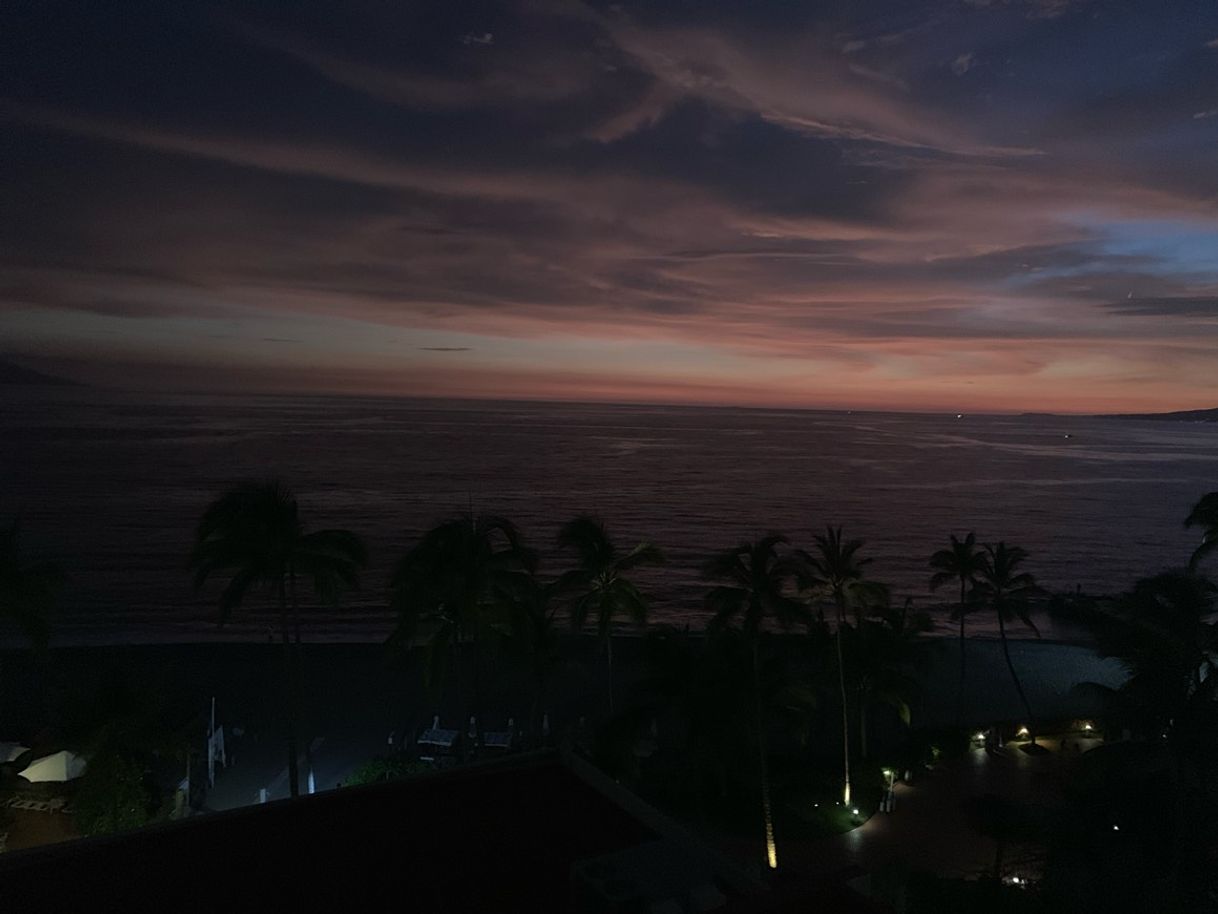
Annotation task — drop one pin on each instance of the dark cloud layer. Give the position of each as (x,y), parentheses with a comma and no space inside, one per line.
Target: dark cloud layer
(786,200)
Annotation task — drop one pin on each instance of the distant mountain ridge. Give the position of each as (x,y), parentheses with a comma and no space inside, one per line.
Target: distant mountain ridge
(1184,415)
(16,374)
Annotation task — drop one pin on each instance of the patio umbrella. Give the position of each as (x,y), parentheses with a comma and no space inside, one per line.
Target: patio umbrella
(10,752)
(62,766)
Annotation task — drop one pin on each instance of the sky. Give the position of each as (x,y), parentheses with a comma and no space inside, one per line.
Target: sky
(982,205)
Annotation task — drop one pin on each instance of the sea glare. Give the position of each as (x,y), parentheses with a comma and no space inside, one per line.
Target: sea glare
(112,484)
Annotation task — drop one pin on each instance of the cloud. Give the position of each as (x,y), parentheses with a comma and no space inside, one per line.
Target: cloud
(738,208)
(1168,306)
(963,63)
(1201,115)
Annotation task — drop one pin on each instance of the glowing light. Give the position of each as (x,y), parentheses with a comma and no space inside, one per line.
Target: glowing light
(979,737)
(1022,731)
(1087,726)
(855,811)
(1116,828)
(771,849)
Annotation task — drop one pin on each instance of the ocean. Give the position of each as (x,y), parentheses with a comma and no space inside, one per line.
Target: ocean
(112,485)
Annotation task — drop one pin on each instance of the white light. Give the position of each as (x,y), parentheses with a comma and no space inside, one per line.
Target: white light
(855,811)
(1116,828)
(1087,727)
(1022,731)
(980,737)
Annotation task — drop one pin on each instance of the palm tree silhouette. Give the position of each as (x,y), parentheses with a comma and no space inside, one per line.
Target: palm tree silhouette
(27,588)
(835,572)
(458,582)
(962,562)
(885,656)
(534,639)
(1204,514)
(1164,635)
(754,592)
(598,583)
(1006,590)
(254,532)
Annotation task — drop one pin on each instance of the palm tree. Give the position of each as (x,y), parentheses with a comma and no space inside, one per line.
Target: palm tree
(27,589)
(1006,590)
(458,581)
(962,562)
(754,592)
(885,655)
(1164,635)
(836,572)
(598,582)
(1204,514)
(254,532)
(534,637)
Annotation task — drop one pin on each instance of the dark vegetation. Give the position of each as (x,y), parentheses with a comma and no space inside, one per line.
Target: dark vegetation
(737,730)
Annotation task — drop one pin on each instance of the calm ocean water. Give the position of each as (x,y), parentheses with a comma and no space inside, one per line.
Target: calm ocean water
(114,483)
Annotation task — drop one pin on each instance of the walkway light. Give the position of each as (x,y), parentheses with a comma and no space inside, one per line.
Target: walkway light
(1022,732)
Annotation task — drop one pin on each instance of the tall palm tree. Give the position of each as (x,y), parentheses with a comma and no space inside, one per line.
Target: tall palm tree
(1006,590)
(534,637)
(1205,515)
(27,588)
(884,659)
(458,582)
(753,591)
(835,572)
(598,583)
(961,563)
(254,533)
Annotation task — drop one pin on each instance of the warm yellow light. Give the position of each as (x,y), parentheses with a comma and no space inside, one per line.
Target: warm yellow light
(1023,731)
(1087,726)
(771,850)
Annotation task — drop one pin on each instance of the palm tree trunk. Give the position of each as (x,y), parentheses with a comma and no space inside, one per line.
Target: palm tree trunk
(1006,652)
(609,655)
(862,724)
(960,692)
(534,720)
(289,690)
(462,704)
(476,710)
(299,651)
(841,679)
(766,811)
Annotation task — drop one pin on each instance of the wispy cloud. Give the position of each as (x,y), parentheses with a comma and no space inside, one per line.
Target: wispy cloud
(963,63)
(740,208)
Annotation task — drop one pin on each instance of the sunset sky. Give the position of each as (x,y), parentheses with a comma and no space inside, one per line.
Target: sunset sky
(961,205)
